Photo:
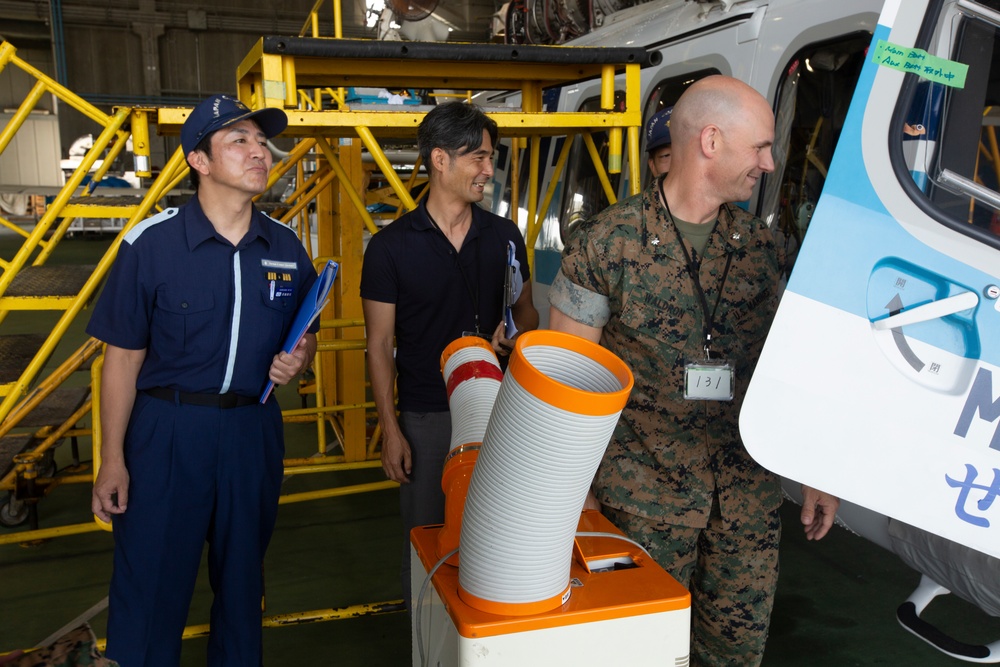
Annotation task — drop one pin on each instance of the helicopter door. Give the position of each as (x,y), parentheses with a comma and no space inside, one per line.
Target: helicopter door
(880,378)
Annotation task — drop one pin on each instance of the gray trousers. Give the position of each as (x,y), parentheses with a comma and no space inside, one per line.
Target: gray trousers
(421,501)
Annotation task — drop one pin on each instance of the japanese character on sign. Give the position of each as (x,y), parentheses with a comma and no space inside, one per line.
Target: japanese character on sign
(967,486)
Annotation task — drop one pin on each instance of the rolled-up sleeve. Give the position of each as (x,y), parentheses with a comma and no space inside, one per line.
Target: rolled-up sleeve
(579,303)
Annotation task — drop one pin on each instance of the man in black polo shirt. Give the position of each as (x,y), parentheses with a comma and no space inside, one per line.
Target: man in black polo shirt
(428,278)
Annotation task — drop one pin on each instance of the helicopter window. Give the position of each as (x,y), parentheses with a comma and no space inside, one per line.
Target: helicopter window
(950,141)
(584,195)
(810,109)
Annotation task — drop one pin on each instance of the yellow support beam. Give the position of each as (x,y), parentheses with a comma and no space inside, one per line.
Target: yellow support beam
(330,201)
(403,123)
(19,389)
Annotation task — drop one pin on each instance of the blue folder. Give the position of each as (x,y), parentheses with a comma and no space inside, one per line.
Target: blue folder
(309,310)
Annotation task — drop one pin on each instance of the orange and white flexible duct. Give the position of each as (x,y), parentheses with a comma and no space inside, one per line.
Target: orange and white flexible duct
(554,415)
(472,377)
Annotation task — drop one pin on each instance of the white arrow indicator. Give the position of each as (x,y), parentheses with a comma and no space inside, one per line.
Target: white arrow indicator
(929,311)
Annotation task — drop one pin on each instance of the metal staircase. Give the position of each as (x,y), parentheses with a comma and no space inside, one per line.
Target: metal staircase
(34,419)
(338,145)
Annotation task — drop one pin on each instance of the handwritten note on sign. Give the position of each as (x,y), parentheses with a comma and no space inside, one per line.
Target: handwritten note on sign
(921,63)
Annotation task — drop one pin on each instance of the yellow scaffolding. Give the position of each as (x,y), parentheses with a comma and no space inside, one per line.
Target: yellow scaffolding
(307,76)
(330,199)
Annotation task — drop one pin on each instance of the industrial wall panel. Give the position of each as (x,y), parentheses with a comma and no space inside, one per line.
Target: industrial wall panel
(15,84)
(106,61)
(198,65)
(32,157)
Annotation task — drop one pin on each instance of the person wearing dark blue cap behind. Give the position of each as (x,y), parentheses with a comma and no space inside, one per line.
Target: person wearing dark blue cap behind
(658,142)
(194,314)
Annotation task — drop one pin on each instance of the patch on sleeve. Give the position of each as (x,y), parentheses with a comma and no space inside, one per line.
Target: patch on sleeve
(579,303)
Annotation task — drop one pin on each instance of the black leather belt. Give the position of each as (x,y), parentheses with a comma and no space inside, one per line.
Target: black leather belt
(225,401)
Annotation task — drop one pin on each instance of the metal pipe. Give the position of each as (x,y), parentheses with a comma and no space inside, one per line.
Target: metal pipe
(602,175)
(324,182)
(58,39)
(534,171)
(64,93)
(368,139)
(336,492)
(352,194)
(140,143)
(327,409)
(953,182)
(17,120)
(326,464)
(57,435)
(533,232)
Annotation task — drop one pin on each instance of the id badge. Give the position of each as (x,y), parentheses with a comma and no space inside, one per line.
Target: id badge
(708,381)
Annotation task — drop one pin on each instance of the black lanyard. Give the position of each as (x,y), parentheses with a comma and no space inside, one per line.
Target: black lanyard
(473,295)
(692,269)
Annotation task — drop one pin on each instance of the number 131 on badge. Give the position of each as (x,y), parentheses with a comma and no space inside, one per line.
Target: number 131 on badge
(708,381)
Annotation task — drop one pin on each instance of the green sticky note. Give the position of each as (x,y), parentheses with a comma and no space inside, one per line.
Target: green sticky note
(921,63)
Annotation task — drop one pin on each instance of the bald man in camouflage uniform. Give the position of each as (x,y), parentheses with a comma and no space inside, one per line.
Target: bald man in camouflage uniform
(676,476)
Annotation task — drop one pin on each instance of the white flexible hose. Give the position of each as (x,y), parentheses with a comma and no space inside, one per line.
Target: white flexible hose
(534,470)
(471,400)
(472,377)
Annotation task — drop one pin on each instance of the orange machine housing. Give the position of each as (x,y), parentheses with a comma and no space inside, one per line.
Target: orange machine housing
(622,606)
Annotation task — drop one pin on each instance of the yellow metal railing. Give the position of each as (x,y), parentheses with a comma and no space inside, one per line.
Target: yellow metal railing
(326,191)
(311,26)
(156,192)
(113,139)
(280,80)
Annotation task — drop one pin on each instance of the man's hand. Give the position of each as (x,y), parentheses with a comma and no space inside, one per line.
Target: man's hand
(818,512)
(287,365)
(502,346)
(110,495)
(396,458)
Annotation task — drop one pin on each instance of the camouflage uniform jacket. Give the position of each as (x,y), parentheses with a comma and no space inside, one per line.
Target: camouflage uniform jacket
(670,457)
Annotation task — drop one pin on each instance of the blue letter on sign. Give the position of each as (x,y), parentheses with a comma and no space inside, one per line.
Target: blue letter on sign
(981,399)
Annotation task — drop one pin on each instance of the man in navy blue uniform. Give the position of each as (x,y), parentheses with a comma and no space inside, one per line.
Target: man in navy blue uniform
(430,277)
(194,315)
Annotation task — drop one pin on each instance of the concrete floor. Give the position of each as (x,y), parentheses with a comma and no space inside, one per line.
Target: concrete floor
(835,604)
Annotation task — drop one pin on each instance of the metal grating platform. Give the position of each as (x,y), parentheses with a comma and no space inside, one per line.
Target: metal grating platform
(57,407)
(42,281)
(16,352)
(123,200)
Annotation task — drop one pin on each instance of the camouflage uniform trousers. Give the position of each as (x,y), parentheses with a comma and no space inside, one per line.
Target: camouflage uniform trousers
(731,572)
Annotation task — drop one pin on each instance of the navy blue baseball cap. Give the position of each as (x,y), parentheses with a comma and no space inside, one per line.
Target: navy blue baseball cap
(220,111)
(658,130)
